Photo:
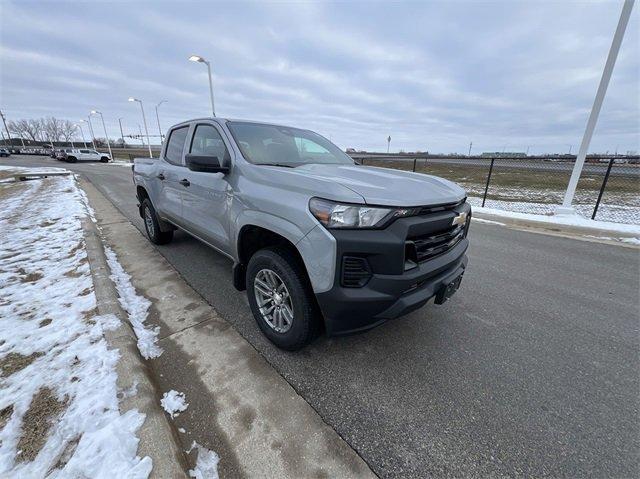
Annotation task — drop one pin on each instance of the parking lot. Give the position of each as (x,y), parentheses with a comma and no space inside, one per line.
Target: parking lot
(531,369)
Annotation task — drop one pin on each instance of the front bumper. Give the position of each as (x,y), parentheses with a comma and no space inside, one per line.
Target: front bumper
(391,291)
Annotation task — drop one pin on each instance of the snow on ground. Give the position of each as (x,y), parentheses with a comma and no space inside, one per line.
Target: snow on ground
(174,403)
(206,463)
(59,414)
(136,306)
(566,220)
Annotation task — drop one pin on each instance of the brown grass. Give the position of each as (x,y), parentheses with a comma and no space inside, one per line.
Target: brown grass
(14,362)
(36,423)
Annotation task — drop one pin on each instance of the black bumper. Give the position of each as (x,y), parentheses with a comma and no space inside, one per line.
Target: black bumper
(391,290)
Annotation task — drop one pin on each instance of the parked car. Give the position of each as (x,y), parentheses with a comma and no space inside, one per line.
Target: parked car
(85,154)
(63,153)
(316,240)
(4,152)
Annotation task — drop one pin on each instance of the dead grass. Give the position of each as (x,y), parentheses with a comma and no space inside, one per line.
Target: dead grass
(45,322)
(14,362)
(30,277)
(5,415)
(37,422)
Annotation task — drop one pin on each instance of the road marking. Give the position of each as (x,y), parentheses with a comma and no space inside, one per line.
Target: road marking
(485,321)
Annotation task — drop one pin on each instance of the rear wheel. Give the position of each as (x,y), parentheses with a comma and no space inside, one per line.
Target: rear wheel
(104,159)
(281,298)
(72,159)
(152,226)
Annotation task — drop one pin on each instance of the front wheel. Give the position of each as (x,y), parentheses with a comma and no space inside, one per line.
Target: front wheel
(152,226)
(104,159)
(281,298)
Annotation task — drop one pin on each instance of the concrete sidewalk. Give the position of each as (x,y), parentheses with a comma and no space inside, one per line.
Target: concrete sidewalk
(239,406)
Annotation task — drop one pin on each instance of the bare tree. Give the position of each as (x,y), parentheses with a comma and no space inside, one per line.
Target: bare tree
(28,128)
(67,130)
(53,128)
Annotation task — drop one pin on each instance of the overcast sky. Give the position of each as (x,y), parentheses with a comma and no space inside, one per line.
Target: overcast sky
(433,75)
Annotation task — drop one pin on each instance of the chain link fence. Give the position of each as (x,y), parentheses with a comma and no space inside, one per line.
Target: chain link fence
(608,190)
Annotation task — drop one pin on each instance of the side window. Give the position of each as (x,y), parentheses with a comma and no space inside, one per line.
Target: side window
(208,142)
(85,151)
(176,145)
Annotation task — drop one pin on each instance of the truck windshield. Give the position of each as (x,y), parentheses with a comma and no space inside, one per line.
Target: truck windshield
(283,146)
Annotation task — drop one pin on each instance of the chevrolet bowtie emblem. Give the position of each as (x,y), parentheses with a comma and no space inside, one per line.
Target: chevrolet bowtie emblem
(460,219)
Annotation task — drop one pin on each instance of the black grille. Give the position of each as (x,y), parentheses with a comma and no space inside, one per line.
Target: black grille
(355,272)
(425,210)
(425,247)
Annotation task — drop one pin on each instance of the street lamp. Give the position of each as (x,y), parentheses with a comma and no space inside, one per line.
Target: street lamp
(144,119)
(96,112)
(121,133)
(93,143)
(158,118)
(199,59)
(82,133)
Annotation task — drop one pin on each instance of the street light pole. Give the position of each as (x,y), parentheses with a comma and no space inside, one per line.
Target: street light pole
(93,136)
(158,118)
(199,59)
(6,129)
(470,145)
(121,133)
(106,136)
(141,135)
(144,119)
(566,207)
(82,133)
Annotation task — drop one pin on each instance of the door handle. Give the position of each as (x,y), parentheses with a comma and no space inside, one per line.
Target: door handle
(184,182)
(161,177)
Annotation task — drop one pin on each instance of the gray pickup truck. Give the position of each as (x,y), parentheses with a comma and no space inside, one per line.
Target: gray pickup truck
(318,241)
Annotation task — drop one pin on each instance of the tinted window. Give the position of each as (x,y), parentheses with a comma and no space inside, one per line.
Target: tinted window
(85,151)
(176,145)
(208,142)
(268,144)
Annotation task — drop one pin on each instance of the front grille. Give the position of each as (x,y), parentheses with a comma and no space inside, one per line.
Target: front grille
(425,247)
(355,272)
(425,210)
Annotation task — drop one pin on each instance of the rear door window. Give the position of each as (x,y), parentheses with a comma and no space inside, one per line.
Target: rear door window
(175,145)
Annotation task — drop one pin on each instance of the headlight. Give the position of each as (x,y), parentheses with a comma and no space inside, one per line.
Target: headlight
(341,215)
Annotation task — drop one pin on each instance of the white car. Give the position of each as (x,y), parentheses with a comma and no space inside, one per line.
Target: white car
(86,155)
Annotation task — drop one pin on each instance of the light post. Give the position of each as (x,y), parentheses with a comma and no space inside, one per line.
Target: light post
(141,136)
(106,136)
(82,133)
(121,133)
(388,143)
(199,59)
(6,129)
(470,145)
(567,207)
(93,136)
(144,119)
(158,118)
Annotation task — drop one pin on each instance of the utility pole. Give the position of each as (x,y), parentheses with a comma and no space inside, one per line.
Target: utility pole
(121,133)
(388,143)
(141,137)
(527,150)
(6,129)
(566,207)
(470,145)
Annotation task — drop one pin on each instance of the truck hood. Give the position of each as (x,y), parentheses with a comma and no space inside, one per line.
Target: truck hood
(387,187)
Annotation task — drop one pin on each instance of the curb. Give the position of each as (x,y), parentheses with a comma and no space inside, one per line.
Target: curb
(157,437)
(557,228)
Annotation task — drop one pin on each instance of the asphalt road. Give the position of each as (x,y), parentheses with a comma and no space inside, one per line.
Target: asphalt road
(531,369)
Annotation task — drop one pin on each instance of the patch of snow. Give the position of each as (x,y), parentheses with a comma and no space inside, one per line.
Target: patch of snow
(181,430)
(633,241)
(488,222)
(174,403)
(206,463)
(45,276)
(567,220)
(136,306)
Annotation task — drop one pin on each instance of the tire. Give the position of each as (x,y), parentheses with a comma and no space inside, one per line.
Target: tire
(152,226)
(104,159)
(305,320)
(72,159)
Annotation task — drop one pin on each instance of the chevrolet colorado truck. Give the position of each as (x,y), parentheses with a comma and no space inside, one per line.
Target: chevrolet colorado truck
(317,241)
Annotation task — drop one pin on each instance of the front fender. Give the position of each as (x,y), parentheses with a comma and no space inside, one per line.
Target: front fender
(316,247)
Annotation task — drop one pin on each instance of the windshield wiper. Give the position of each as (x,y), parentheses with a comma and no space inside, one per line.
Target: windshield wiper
(276,164)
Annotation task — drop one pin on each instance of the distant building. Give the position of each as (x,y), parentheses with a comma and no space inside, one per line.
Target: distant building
(504,154)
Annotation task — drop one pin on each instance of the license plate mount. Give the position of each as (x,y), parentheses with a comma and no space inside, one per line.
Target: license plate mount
(449,289)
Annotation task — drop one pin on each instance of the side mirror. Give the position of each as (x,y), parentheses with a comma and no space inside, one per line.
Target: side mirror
(205,164)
